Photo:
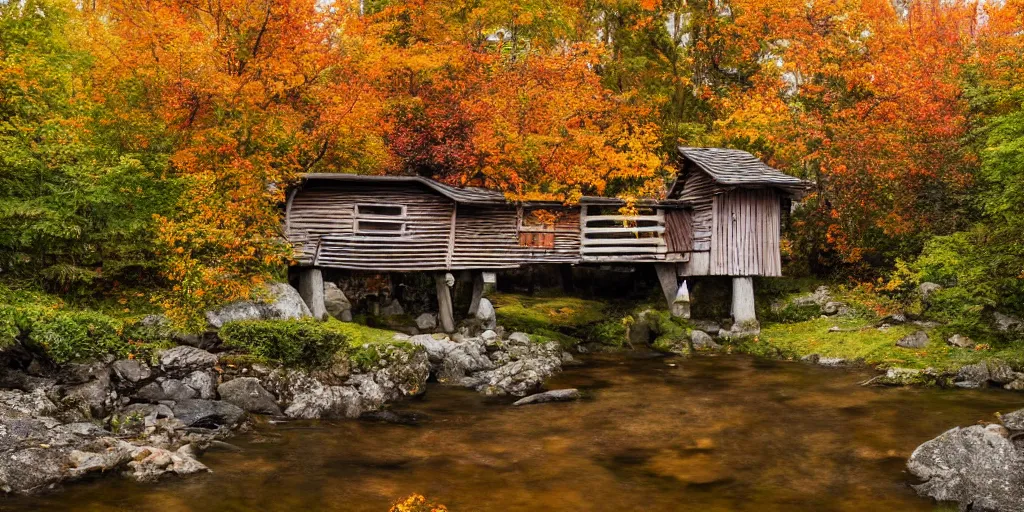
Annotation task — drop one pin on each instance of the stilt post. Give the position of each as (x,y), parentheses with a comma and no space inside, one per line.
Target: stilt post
(743,315)
(444,302)
(669,279)
(478,293)
(311,289)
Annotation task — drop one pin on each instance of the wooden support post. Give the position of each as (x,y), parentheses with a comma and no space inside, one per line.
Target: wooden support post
(311,289)
(444,303)
(743,316)
(678,303)
(478,293)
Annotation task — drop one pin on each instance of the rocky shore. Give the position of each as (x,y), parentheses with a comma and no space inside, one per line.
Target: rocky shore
(146,419)
(980,467)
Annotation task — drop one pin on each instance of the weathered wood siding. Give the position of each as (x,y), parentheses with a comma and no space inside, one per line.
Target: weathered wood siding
(321,224)
(745,234)
(679,230)
(489,237)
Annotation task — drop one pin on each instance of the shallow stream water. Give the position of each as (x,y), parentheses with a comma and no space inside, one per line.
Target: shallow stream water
(706,434)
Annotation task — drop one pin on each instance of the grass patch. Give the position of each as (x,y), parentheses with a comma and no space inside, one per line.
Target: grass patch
(359,335)
(533,313)
(859,339)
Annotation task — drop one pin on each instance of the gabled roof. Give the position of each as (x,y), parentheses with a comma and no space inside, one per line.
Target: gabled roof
(463,195)
(732,167)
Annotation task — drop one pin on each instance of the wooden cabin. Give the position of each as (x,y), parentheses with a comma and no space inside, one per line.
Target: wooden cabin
(721,217)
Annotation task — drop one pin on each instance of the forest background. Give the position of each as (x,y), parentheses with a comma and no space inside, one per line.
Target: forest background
(145,145)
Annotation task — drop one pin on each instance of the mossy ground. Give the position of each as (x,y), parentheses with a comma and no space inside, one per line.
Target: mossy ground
(797,331)
(567,320)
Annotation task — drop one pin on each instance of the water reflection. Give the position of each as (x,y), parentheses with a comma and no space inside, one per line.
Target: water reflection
(707,434)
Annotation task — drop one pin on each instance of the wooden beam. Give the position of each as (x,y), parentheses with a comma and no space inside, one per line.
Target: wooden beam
(444,303)
(669,280)
(451,239)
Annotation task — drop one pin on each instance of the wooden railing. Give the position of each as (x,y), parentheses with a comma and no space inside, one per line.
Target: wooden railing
(613,238)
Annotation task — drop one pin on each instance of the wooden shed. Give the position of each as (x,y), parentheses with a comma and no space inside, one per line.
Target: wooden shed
(734,218)
(722,216)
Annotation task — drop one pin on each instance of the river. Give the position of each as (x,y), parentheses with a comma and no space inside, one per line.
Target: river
(709,433)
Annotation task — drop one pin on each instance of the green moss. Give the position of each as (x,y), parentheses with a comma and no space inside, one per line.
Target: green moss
(358,334)
(859,339)
(612,332)
(526,313)
(671,334)
(306,343)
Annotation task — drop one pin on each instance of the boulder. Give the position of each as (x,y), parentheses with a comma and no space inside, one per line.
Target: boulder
(903,377)
(1007,323)
(393,308)
(972,376)
(207,413)
(527,368)
(978,466)
(927,289)
(835,308)
(426,322)
(486,315)
(326,402)
(1013,420)
(149,463)
(94,397)
(283,303)
(640,330)
(999,372)
(203,382)
(337,303)
(959,340)
(248,394)
(183,359)
(131,370)
(702,341)
(555,395)
(519,337)
(918,339)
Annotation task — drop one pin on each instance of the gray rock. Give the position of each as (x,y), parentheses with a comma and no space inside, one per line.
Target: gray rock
(131,370)
(918,339)
(972,376)
(326,402)
(398,371)
(154,411)
(426,322)
(393,308)
(1000,373)
(555,395)
(1007,323)
(835,308)
(489,336)
(526,370)
(702,341)
(174,389)
(207,413)
(149,463)
(17,403)
(1017,385)
(1013,420)
(486,315)
(831,362)
(283,303)
(203,382)
(247,393)
(708,326)
(959,340)
(519,337)
(437,347)
(978,466)
(902,377)
(336,302)
(820,296)
(927,289)
(464,358)
(94,397)
(182,360)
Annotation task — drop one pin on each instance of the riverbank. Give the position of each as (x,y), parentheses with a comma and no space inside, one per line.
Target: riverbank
(732,433)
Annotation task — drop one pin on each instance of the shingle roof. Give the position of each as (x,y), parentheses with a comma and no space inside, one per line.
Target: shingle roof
(463,195)
(732,167)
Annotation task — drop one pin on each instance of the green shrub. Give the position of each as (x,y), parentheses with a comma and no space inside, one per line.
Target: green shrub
(78,336)
(306,343)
